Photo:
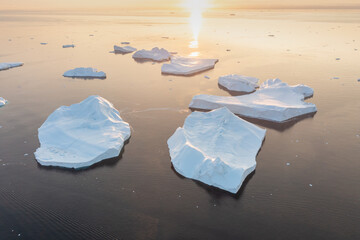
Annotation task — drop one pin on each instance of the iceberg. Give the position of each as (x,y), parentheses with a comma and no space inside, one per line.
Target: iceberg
(3,101)
(5,66)
(217,148)
(84,73)
(274,101)
(187,66)
(126,49)
(155,54)
(239,83)
(69,46)
(82,134)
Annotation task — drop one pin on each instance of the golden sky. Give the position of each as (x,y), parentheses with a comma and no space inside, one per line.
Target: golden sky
(168,4)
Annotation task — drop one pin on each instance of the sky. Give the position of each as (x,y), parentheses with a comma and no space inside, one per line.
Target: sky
(169,4)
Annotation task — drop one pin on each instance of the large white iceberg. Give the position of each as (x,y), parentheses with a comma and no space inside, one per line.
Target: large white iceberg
(274,101)
(187,66)
(216,148)
(3,101)
(84,73)
(239,83)
(155,54)
(126,49)
(5,66)
(82,134)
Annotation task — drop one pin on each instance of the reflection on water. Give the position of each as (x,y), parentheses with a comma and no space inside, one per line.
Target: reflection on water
(196,8)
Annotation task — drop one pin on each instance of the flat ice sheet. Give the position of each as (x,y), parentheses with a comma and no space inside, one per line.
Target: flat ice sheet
(84,73)
(3,101)
(155,54)
(187,66)
(8,65)
(126,49)
(274,101)
(238,83)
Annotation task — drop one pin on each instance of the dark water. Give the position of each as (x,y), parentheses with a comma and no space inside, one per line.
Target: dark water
(138,195)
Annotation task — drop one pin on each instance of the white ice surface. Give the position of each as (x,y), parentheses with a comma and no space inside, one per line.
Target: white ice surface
(84,73)
(3,101)
(5,66)
(187,66)
(274,101)
(239,83)
(154,54)
(217,148)
(126,49)
(82,134)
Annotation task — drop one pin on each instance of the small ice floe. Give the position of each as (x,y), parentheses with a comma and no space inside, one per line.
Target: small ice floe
(287,164)
(43,43)
(68,46)
(207,77)
(187,66)
(155,54)
(126,49)
(217,148)
(82,134)
(7,65)
(26,154)
(274,101)
(124,43)
(3,101)
(310,185)
(239,83)
(84,73)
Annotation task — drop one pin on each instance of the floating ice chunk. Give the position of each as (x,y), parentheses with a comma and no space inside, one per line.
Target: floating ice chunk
(155,54)
(274,101)
(3,101)
(82,134)
(84,73)
(187,66)
(216,148)
(126,49)
(69,46)
(239,83)
(5,66)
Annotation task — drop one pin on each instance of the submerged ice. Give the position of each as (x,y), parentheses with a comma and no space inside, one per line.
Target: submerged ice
(82,134)
(274,101)
(84,73)
(217,148)
(187,66)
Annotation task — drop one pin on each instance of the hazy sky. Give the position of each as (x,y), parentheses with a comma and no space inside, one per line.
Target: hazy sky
(103,4)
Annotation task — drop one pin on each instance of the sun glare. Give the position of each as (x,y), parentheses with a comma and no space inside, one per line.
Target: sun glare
(196,8)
